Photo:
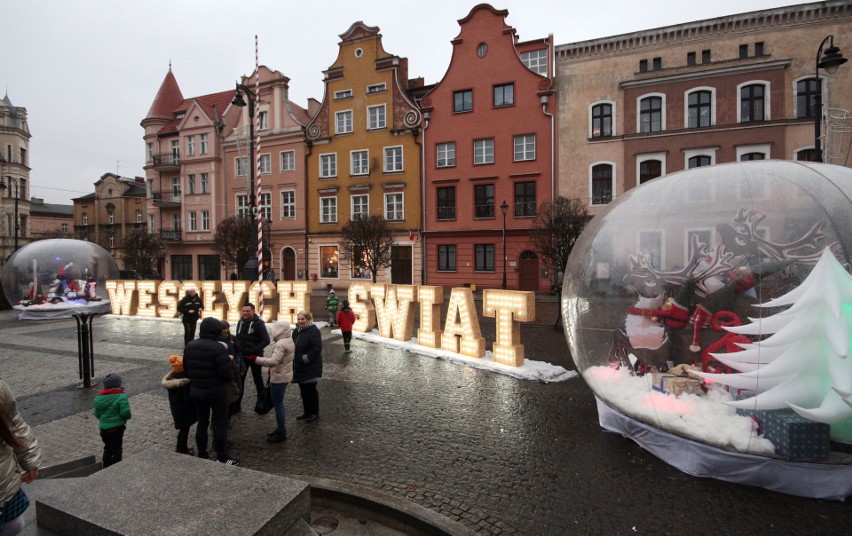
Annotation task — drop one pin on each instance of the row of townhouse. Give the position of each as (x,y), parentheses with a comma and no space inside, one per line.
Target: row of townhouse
(459,168)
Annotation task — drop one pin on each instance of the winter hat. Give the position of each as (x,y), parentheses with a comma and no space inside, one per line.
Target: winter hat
(112,381)
(177,363)
(331,291)
(210,328)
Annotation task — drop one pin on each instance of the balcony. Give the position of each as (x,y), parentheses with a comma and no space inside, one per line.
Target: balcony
(165,161)
(166,199)
(171,235)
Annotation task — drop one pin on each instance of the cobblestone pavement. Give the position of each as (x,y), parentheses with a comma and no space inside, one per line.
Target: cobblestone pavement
(499,455)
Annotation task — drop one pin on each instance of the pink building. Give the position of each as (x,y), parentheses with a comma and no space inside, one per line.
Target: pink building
(488,142)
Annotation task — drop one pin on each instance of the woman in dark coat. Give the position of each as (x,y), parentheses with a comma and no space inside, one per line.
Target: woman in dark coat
(307,364)
(183,410)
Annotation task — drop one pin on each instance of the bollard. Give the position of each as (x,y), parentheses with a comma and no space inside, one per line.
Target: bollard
(85,348)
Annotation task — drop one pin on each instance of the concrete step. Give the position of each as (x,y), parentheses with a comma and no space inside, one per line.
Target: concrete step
(59,469)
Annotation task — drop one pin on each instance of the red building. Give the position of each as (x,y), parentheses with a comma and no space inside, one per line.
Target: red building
(488,142)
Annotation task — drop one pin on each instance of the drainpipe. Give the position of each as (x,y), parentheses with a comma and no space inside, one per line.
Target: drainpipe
(544,101)
(308,150)
(423,197)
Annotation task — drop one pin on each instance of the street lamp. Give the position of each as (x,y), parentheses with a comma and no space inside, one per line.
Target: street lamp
(504,208)
(250,268)
(831,60)
(17,222)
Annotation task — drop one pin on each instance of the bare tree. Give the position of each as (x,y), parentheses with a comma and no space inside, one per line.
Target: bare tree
(556,228)
(232,241)
(367,240)
(143,251)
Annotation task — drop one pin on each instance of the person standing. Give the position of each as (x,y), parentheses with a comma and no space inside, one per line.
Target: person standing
(180,403)
(190,307)
(331,304)
(252,338)
(19,447)
(307,364)
(112,409)
(346,319)
(281,373)
(208,367)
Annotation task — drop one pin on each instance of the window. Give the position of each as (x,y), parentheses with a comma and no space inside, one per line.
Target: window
(525,204)
(536,61)
(758,48)
(288,204)
(393,159)
(241,166)
(190,184)
(174,153)
(266,163)
(752,103)
(643,66)
(751,156)
(193,223)
(463,101)
(483,201)
(602,184)
(705,56)
(447,203)
(359,162)
(803,155)
(176,187)
(64,227)
(360,206)
(263,120)
(753,152)
(483,151)
(601,120)
(209,267)
(484,257)
(190,145)
(482,50)
(376,88)
(504,95)
(205,220)
(743,51)
(343,94)
(264,206)
(394,208)
(243,206)
(149,152)
(658,63)
(328,209)
(651,114)
(138,216)
(110,217)
(446,258)
(344,122)
(150,223)
(699,161)
(111,241)
(699,109)
(205,183)
(85,216)
(525,147)
(690,59)
(806,95)
(446,154)
(329,261)
(204,144)
(176,221)
(288,161)
(328,165)
(376,117)
(181,267)
(650,169)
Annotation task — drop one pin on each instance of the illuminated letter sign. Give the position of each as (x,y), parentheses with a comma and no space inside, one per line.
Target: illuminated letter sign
(122,297)
(395,310)
(429,333)
(235,292)
(510,308)
(167,297)
(462,336)
(365,313)
(147,306)
(293,296)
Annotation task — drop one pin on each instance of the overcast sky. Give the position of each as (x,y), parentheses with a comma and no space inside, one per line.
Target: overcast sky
(87,71)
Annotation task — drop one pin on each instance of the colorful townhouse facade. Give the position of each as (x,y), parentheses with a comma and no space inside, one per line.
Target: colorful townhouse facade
(489,150)
(364,159)
(279,132)
(15,173)
(637,106)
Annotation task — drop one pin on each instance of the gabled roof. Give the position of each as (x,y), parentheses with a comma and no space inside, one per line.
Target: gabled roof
(298,113)
(168,98)
(220,101)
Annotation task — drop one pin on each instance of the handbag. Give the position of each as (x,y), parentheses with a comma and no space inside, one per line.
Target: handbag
(264,399)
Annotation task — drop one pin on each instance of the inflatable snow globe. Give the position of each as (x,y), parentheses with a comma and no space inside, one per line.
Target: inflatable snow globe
(58,278)
(710,312)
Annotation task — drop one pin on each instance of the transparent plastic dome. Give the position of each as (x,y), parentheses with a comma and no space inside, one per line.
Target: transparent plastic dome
(677,276)
(58,277)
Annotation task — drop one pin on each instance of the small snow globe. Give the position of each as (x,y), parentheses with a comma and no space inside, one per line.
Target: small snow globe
(58,278)
(710,312)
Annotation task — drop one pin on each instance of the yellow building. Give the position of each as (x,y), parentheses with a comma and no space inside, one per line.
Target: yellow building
(364,159)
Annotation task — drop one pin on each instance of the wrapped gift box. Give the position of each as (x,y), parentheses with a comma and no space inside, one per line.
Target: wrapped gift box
(676,385)
(795,437)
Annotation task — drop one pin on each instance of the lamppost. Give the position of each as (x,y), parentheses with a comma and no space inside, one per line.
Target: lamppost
(250,268)
(504,208)
(17,222)
(831,60)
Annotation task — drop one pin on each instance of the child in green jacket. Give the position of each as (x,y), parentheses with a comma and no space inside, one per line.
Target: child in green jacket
(112,409)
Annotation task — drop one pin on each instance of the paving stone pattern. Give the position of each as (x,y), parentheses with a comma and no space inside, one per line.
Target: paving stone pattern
(499,455)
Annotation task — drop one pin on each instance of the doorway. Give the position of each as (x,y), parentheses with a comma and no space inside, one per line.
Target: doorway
(401,265)
(528,271)
(288,264)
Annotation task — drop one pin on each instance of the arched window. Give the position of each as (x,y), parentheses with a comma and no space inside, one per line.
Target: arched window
(649,169)
(651,114)
(700,109)
(602,184)
(601,120)
(699,161)
(806,93)
(752,156)
(753,103)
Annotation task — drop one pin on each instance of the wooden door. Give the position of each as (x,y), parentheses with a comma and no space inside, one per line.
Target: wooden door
(288,265)
(401,265)
(528,271)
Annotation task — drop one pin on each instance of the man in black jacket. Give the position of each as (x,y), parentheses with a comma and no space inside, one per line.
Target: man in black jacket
(252,338)
(190,307)
(208,367)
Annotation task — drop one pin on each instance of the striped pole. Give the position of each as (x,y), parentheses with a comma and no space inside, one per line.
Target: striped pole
(257,184)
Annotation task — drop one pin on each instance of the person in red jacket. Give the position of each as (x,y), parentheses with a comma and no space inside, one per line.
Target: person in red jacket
(345,319)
